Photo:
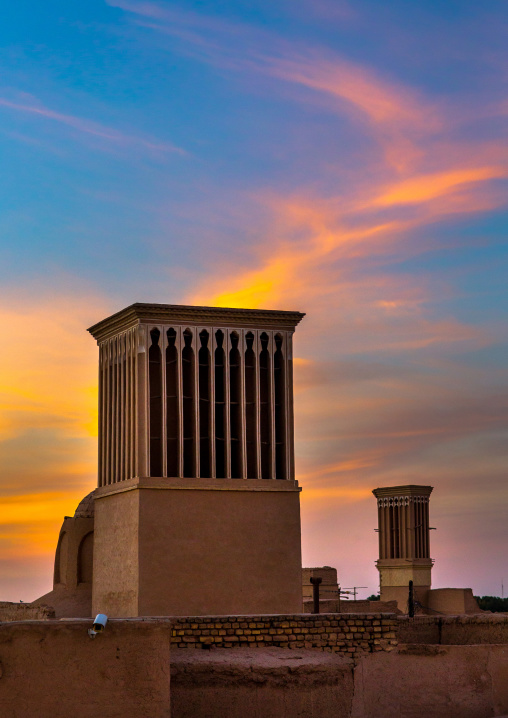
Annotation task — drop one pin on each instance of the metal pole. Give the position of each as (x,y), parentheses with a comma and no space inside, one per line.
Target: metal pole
(315,593)
(411,601)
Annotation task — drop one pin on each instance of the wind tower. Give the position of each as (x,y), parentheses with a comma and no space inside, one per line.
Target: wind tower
(404,545)
(197,508)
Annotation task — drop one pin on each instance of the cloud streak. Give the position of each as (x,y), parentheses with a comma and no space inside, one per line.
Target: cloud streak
(241,46)
(89,127)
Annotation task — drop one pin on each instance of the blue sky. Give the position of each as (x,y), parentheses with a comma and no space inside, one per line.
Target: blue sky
(348,160)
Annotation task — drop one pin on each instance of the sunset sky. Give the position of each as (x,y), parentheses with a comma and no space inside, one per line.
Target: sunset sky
(344,159)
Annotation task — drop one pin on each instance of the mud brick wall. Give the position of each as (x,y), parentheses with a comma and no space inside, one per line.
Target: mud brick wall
(347,634)
(454,630)
(24,612)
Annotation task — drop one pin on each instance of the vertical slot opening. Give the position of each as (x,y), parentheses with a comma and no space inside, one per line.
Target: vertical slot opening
(250,408)
(418,530)
(235,407)
(280,409)
(188,405)
(220,407)
(155,384)
(395,530)
(204,405)
(123,409)
(264,407)
(172,419)
(390,529)
(111,417)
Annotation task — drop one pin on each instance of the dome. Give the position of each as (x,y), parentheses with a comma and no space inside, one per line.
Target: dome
(85,508)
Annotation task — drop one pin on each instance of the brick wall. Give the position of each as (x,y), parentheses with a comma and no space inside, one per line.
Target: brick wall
(326,632)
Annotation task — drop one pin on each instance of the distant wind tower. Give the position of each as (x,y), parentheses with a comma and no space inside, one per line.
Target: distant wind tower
(404,543)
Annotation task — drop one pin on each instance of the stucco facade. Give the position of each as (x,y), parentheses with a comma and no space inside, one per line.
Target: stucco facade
(163,548)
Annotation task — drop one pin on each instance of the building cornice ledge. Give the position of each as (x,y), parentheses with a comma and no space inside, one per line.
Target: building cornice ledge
(407,490)
(141,313)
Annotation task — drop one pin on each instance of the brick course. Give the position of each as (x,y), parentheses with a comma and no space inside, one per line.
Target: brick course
(331,632)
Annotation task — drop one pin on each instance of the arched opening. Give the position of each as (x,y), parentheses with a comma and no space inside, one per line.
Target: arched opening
(250,407)
(264,408)
(85,559)
(220,407)
(172,423)
(155,383)
(204,406)
(188,397)
(235,407)
(280,409)
(61,555)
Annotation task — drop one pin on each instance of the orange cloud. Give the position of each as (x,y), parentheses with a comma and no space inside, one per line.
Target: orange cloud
(30,522)
(48,375)
(284,271)
(48,401)
(423,188)
(346,494)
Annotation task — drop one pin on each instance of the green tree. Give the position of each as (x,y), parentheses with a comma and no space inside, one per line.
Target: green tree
(493,603)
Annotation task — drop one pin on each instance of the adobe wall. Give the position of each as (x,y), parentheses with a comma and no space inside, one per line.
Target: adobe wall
(166,547)
(434,681)
(115,590)
(24,612)
(52,669)
(331,632)
(205,552)
(328,588)
(368,607)
(267,682)
(409,682)
(343,606)
(452,601)
(454,630)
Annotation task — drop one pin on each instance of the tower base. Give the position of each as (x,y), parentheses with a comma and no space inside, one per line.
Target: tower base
(395,575)
(176,547)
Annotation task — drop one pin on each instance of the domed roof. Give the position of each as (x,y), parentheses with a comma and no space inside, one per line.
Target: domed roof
(85,508)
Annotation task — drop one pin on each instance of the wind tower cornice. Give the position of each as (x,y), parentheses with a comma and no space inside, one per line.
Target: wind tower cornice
(141,313)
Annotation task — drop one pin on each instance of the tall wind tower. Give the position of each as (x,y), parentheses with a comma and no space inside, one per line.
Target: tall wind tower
(197,507)
(404,545)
